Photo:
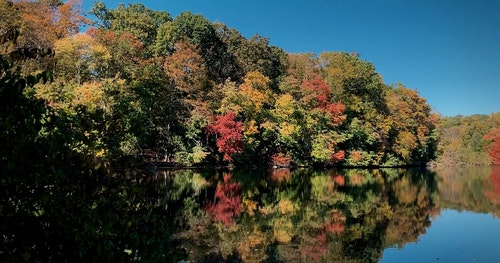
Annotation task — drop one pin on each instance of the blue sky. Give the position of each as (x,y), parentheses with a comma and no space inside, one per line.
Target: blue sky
(448,50)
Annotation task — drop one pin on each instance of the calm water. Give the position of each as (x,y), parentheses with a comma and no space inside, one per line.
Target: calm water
(380,215)
(467,228)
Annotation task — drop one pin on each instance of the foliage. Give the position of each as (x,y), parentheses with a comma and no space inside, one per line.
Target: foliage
(494,136)
(140,81)
(229,132)
(464,140)
(57,202)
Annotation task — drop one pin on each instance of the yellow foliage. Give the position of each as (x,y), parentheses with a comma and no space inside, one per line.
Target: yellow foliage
(246,247)
(251,128)
(384,211)
(89,94)
(255,98)
(282,230)
(266,210)
(198,183)
(257,80)
(405,143)
(285,206)
(100,51)
(284,106)
(406,191)
(231,100)
(250,206)
(255,92)
(100,153)
(79,56)
(422,198)
(267,125)
(287,129)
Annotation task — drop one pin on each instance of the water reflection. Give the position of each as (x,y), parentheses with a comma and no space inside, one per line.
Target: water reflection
(467,228)
(257,216)
(475,189)
(301,215)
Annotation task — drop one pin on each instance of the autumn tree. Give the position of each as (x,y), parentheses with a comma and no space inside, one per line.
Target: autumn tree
(199,32)
(39,24)
(80,58)
(355,83)
(461,140)
(229,135)
(127,52)
(257,93)
(187,72)
(411,133)
(46,21)
(301,68)
(317,95)
(494,150)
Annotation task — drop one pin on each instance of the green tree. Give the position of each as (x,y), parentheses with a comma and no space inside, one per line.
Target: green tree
(135,19)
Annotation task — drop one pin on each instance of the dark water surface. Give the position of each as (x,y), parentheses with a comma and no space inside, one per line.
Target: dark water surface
(354,215)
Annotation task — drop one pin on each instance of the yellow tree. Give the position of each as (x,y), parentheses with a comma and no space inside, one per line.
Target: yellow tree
(127,52)
(80,58)
(45,21)
(257,93)
(411,124)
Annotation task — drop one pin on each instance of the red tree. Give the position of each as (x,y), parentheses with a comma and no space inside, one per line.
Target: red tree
(230,134)
(318,92)
(494,136)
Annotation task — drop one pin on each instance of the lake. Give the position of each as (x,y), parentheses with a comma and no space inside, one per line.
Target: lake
(347,215)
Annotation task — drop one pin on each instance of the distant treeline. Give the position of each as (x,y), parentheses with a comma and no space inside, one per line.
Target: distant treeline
(469,140)
(186,91)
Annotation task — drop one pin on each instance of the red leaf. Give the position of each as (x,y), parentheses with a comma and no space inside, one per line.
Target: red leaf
(230,134)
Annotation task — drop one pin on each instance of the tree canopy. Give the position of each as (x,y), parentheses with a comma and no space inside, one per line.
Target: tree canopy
(151,83)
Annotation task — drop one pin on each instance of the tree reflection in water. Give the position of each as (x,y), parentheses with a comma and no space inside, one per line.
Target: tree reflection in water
(475,189)
(302,215)
(279,215)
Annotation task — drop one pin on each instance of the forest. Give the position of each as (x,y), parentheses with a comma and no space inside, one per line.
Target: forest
(186,91)
(141,85)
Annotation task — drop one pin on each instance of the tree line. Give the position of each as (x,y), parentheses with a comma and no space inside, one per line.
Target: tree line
(186,91)
(469,140)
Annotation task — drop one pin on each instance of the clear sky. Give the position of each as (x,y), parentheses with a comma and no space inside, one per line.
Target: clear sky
(448,50)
